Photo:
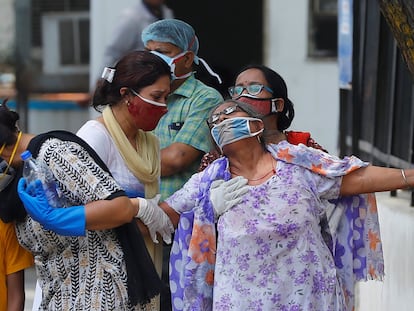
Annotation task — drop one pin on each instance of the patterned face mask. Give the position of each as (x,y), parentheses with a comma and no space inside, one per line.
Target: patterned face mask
(232,130)
(263,106)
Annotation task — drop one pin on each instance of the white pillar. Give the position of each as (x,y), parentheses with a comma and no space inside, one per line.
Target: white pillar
(104,15)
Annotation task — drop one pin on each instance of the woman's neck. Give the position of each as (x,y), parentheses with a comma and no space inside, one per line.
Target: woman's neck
(255,164)
(271,134)
(124,122)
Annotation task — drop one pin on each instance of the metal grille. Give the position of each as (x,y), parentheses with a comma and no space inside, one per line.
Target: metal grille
(377,115)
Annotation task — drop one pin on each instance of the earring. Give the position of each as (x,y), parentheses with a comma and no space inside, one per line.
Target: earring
(127,103)
(259,139)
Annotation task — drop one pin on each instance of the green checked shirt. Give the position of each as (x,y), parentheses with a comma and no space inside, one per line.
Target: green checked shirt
(185,122)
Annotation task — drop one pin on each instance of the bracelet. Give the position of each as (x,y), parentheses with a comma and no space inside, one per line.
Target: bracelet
(405,178)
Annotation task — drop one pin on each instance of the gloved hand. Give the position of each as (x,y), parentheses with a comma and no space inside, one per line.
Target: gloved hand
(155,219)
(64,221)
(226,194)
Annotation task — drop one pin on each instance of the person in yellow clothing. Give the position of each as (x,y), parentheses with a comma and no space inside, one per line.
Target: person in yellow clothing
(13,260)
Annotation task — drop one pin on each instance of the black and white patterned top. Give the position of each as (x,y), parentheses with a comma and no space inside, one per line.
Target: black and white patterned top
(78,273)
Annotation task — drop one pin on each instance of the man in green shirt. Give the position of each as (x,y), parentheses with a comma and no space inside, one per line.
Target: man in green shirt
(182,131)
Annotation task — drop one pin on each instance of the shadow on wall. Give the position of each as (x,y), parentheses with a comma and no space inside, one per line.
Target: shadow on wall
(230,35)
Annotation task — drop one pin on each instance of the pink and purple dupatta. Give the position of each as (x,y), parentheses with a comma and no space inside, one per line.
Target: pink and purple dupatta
(356,248)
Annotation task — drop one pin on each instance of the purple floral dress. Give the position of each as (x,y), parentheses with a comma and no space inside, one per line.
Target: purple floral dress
(270,253)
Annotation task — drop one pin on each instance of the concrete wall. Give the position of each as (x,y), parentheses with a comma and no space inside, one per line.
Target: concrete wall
(53,114)
(62,117)
(6,29)
(103,15)
(397,231)
(312,84)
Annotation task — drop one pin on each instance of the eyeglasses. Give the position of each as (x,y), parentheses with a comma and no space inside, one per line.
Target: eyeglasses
(226,111)
(252,89)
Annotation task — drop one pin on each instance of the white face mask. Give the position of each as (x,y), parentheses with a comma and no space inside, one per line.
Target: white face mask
(149,101)
(232,130)
(171,62)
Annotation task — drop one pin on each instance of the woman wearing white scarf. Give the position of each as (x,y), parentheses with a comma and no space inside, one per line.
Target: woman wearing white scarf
(133,96)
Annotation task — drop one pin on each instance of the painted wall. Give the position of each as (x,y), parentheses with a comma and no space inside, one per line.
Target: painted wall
(6,28)
(103,18)
(397,231)
(104,15)
(46,114)
(312,84)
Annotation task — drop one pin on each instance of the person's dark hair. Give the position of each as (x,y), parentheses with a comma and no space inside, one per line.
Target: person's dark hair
(279,88)
(8,126)
(135,70)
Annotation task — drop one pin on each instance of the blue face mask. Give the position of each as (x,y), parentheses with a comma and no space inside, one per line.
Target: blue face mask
(232,130)
(171,62)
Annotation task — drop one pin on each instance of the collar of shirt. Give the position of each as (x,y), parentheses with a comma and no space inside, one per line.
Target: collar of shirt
(187,88)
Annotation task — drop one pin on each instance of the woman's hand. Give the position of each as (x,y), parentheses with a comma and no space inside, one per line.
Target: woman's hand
(226,194)
(155,219)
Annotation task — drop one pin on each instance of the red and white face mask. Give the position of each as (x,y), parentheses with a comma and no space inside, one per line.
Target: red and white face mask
(264,106)
(146,112)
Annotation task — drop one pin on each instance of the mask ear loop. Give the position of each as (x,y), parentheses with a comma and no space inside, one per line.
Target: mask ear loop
(257,132)
(214,138)
(210,71)
(13,152)
(175,59)
(274,108)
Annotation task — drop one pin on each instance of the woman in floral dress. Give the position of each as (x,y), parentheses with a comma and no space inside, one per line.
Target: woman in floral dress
(270,252)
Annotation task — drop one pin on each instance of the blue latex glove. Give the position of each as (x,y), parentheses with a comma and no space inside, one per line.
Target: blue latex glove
(64,221)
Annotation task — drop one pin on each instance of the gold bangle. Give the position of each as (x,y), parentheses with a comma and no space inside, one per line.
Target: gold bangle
(405,178)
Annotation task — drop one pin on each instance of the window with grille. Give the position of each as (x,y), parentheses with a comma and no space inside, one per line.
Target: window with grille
(323,28)
(65,42)
(60,35)
(41,7)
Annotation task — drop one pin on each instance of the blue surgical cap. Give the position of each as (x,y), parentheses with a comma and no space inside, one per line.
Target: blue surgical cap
(173,31)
